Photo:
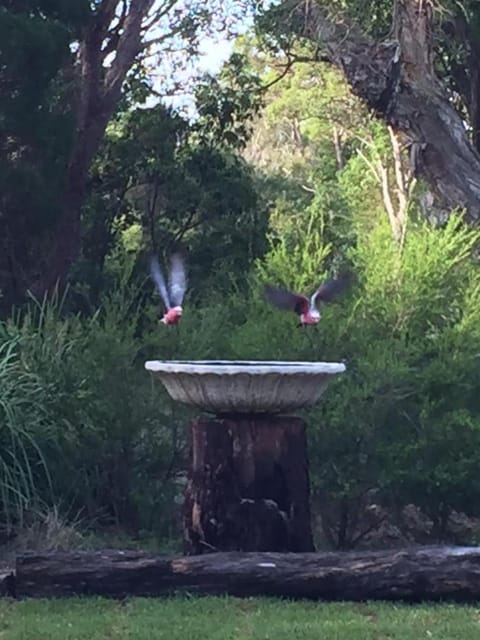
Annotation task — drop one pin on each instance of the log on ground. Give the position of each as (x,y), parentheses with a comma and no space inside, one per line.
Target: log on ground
(7,584)
(416,574)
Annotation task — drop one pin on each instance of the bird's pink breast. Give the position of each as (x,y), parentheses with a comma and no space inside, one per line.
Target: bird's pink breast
(307,318)
(172,316)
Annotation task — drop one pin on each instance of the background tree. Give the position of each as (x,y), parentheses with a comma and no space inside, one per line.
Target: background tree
(394,73)
(84,53)
(36,129)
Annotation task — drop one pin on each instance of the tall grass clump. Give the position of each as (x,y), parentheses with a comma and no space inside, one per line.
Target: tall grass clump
(108,436)
(24,477)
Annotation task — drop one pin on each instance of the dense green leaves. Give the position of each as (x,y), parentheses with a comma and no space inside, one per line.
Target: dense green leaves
(36,125)
(24,474)
(283,185)
(227,103)
(156,186)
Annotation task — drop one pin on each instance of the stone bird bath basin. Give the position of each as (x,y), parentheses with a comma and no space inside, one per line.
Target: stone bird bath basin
(225,387)
(248,485)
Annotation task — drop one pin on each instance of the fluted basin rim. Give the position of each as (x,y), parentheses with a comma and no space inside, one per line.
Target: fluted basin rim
(251,367)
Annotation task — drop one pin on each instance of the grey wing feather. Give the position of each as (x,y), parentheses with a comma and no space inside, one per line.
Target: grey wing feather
(177,280)
(159,280)
(330,289)
(286,300)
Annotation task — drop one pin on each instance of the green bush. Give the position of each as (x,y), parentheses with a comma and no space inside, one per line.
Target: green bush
(24,474)
(404,420)
(85,426)
(111,440)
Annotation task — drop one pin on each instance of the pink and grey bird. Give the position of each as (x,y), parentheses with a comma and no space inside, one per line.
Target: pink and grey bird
(172,295)
(306,308)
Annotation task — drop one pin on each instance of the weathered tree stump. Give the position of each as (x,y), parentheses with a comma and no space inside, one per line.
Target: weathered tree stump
(248,486)
(429,573)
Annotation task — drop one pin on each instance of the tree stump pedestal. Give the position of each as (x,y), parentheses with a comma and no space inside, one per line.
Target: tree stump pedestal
(248,485)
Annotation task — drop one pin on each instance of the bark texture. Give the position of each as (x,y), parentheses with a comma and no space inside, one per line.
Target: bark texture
(248,486)
(7,584)
(97,90)
(429,573)
(396,79)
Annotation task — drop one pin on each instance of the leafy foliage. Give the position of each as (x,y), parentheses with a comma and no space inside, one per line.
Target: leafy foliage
(36,123)
(104,434)
(283,185)
(228,102)
(156,182)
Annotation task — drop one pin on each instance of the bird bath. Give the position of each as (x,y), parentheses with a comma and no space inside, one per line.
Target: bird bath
(248,484)
(245,387)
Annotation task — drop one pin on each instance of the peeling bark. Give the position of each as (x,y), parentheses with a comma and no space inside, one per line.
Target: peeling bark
(396,79)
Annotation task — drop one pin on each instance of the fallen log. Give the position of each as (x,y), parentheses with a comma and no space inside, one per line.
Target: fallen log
(7,584)
(426,573)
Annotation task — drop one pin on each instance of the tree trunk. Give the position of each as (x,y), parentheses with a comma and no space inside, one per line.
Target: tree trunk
(96,95)
(429,573)
(474,102)
(396,79)
(248,486)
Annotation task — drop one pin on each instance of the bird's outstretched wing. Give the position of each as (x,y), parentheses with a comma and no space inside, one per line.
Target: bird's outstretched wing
(159,280)
(286,300)
(177,280)
(330,289)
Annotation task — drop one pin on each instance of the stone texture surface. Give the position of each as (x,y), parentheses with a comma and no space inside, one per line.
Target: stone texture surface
(230,387)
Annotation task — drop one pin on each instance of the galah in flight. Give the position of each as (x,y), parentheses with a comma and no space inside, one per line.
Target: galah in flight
(172,295)
(306,308)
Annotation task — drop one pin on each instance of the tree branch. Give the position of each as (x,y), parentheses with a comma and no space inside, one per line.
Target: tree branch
(129,46)
(188,225)
(337,144)
(387,201)
(105,15)
(157,15)
(286,68)
(115,32)
(292,59)
(159,39)
(396,79)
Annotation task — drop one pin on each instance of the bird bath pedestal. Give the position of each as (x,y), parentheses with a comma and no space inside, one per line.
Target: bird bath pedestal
(248,484)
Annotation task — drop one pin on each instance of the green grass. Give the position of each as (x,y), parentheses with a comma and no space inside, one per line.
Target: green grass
(231,618)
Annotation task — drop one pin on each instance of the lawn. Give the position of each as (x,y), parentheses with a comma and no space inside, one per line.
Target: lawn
(231,618)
